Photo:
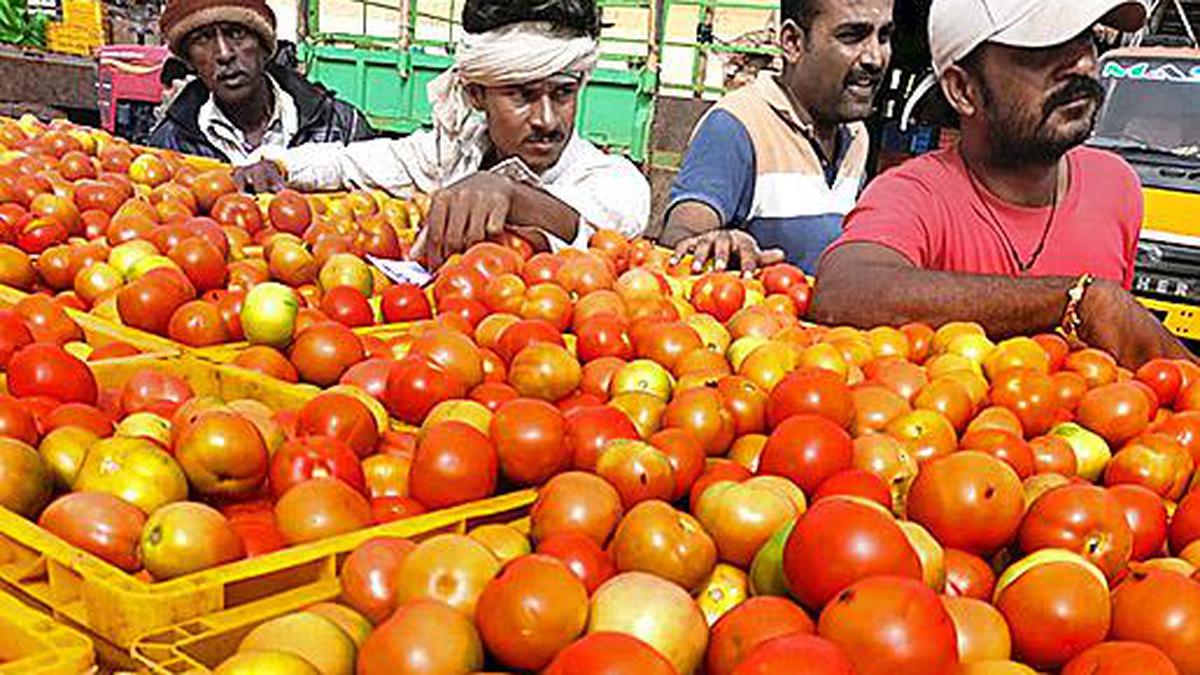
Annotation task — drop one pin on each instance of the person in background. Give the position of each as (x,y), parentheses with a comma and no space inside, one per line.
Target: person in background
(503,154)
(1020,227)
(775,166)
(173,77)
(240,102)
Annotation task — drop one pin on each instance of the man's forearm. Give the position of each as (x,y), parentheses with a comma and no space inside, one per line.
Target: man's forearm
(688,219)
(532,207)
(874,295)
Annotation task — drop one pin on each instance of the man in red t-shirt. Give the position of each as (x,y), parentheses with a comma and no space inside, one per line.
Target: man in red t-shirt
(1019,227)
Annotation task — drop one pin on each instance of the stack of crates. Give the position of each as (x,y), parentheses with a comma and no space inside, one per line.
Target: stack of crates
(81,29)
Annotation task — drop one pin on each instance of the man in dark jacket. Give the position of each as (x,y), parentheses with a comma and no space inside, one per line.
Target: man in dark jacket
(240,102)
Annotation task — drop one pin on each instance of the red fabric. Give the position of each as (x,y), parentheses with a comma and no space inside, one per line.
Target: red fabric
(928,211)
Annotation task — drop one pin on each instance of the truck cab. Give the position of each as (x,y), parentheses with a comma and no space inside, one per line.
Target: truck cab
(1151,117)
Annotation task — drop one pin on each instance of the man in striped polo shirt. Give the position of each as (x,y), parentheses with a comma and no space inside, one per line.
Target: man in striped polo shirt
(774,167)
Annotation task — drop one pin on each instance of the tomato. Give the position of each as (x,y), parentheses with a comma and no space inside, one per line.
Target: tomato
(1185,523)
(653,537)
(1161,609)
(746,401)
(812,391)
(79,415)
(926,434)
(99,523)
(719,295)
(1031,395)
(576,502)
(425,637)
(454,351)
(1154,461)
(197,323)
(17,422)
(609,653)
(968,576)
(320,508)
(858,483)
(260,535)
(888,624)
(154,391)
(521,334)
(289,211)
(1097,368)
(1185,428)
(783,653)
(1081,518)
(454,464)
(237,210)
(43,369)
(968,500)
(875,407)
(531,441)
(493,394)
(340,416)
(417,384)
(838,542)
(701,412)
(223,454)
(806,449)
(1055,610)
(585,274)
(1163,377)
(151,301)
(347,306)
(545,371)
(368,576)
(532,611)
(202,262)
(1147,518)
(590,429)
(324,351)
(685,456)
(578,401)
(591,564)
(1053,454)
(47,320)
(1120,658)
(1118,412)
(452,568)
(1012,450)
(604,335)
(665,342)
(303,459)
(754,622)
(268,361)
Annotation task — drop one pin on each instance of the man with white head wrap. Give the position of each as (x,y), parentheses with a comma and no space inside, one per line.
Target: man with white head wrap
(503,153)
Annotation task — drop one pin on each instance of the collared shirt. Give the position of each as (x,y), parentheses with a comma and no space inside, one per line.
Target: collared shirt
(754,161)
(229,138)
(606,190)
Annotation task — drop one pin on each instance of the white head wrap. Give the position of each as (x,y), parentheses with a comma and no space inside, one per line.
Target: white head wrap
(518,53)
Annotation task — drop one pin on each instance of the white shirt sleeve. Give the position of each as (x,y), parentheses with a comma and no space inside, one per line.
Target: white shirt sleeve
(397,166)
(610,195)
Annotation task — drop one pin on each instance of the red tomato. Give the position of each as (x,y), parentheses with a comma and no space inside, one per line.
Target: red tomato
(1055,610)
(202,262)
(576,502)
(390,509)
(1082,518)
(858,483)
(716,470)
(154,391)
(1161,609)
(289,211)
(686,457)
(609,654)
(17,422)
(604,335)
(368,576)
(720,295)
(968,500)
(888,625)
(259,535)
(459,280)
(590,429)
(424,637)
(302,459)
(149,302)
(493,394)
(324,351)
(1147,518)
(43,369)
(838,542)
(14,335)
(79,415)
(268,361)
(523,333)
(1029,394)
(806,449)
(1053,454)
(1118,412)
(814,391)
(782,278)
(198,323)
(532,611)
(371,376)
(1120,658)
(1185,428)
(340,416)
(968,576)
(582,555)
(531,441)
(1185,522)
(757,620)
(784,653)
(1010,449)
(701,412)
(416,384)
(347,306)
(454,464)
(1163,377)
(405,302)
(98,523)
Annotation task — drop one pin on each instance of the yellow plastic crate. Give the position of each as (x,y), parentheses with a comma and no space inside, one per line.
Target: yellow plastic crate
(81,30)
(32,643)
(1182,320)
(201,645)
(116,607)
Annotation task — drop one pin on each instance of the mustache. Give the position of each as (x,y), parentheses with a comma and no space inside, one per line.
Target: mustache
(1076,88)
(548,137)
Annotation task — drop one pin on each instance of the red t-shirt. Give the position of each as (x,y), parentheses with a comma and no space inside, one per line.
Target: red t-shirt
(928,211)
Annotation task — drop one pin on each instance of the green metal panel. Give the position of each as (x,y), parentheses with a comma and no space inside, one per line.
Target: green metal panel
(387,77)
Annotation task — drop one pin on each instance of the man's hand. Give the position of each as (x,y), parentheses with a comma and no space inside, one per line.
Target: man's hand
(464,214)
(721,246)
(261,177)
(1113,320)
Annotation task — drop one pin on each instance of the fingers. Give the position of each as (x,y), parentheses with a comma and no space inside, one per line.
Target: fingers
(721,250)
(241,178)
(701,252)
(682,249)
(418,248)
(747,254)
(455,235)
(771,256)
(435,225)
(496,218)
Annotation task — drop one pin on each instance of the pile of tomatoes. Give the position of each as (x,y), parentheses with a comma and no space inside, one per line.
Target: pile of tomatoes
(150,239)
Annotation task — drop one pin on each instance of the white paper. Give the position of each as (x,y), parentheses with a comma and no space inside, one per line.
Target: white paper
(402,271)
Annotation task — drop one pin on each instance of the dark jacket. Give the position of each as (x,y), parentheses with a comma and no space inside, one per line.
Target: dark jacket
(323,118)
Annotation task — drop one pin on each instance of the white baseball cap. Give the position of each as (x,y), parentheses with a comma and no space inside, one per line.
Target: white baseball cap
(956,27)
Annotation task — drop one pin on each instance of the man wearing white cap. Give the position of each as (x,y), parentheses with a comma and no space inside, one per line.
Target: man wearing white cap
(503,153)
(1019,227)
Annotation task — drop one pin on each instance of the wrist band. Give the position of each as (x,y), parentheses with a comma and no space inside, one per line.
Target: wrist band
(1071,319)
